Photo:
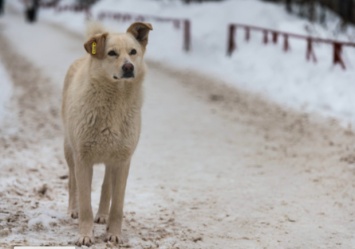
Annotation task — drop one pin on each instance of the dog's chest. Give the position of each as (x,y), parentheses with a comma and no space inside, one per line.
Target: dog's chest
(109,126)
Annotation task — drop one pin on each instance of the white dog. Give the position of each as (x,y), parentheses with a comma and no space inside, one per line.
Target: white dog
(101,112)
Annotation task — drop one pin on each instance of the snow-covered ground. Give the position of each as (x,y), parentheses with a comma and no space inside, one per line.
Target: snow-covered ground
(5,92)
(215,168)
(287,79)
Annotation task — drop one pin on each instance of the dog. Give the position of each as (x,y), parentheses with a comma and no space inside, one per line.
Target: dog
(101,112)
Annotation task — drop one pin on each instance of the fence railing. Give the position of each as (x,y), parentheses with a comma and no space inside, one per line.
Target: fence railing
(48,4)
(119,16)
(74,8)
(128,17)
(310,54)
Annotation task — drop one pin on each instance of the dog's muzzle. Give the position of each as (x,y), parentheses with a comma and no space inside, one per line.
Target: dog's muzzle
(128,70)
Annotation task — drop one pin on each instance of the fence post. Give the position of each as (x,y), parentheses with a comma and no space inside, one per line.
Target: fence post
(310,53)
(247,33)
(286,44)
(231,44)
(176,23)
(187,35)
(275,36)
(337,48)
(266,40)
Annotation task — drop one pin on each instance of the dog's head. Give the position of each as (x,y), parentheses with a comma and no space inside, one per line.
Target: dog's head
(119,56)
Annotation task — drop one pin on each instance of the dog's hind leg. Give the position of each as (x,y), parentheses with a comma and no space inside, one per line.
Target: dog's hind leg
(119,179)
(105,199)
(73,202)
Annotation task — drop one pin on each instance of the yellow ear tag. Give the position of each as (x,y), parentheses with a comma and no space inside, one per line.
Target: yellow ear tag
(93,48)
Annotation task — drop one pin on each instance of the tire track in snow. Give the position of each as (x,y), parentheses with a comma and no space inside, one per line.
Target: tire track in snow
(32,156)
(30,137)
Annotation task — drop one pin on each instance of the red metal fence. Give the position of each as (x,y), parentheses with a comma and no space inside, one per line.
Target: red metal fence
(177,23)
(49,4)
(74,8)
(310,54)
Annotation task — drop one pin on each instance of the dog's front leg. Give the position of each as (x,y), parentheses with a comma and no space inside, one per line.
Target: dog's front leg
(102,213)
(83,174)
(119,180)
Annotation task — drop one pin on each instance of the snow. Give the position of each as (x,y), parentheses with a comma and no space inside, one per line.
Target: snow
(5,91)
(287,79)
(41,220)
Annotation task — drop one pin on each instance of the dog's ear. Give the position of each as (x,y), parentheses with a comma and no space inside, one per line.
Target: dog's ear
(140,31)
(96,46)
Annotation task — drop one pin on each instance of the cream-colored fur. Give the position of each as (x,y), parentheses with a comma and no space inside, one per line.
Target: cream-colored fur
(101,112)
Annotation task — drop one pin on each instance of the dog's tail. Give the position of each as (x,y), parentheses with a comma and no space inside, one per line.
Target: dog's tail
(93,28)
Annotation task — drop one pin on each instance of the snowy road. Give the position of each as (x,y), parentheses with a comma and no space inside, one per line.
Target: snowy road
(215,167)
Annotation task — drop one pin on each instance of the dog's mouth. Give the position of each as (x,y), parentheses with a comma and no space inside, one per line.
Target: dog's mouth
(128,75)
(124,76)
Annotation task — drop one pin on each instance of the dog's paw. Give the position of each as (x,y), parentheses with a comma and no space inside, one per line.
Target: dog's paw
(113,238)
(74,214)
(85,241)
(101,218)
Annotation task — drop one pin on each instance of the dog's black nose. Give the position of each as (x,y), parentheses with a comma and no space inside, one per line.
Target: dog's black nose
(128,68)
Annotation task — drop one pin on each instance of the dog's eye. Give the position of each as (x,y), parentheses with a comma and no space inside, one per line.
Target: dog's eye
(133,51)
(112,53)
